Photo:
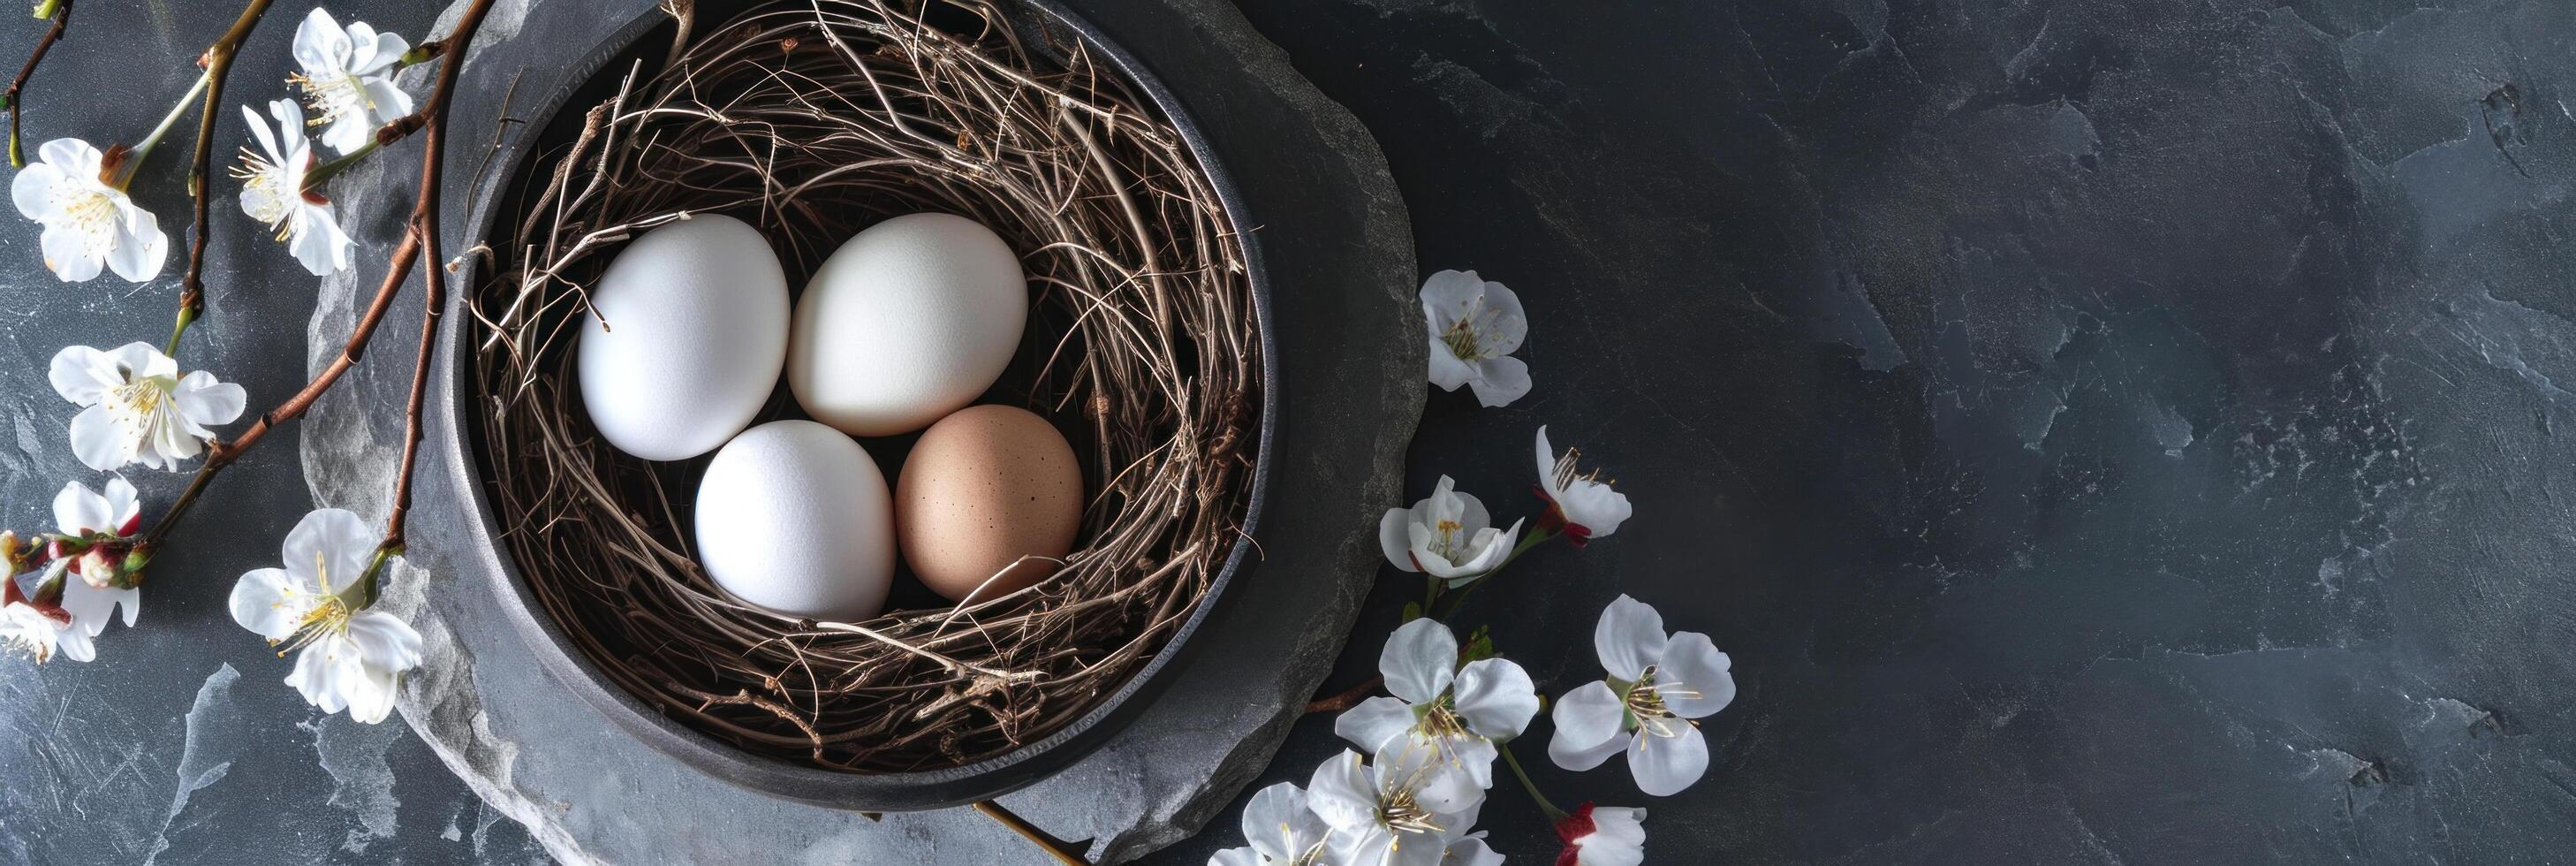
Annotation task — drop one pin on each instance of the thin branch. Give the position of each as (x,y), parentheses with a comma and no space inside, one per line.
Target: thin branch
(421,233)
(219,63)
(1347,699)
(62,19)
(1063,851)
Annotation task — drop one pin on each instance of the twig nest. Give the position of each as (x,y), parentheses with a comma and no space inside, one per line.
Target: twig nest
(1123,388)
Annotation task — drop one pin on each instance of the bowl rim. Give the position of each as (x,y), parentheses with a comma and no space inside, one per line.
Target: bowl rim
(893,792)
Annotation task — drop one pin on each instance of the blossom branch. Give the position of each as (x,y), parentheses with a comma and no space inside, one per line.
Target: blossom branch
(420,233)
(218,61)
(61,12)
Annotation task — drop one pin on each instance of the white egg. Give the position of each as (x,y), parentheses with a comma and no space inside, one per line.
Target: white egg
(793,516)
(905,323)
(687,332)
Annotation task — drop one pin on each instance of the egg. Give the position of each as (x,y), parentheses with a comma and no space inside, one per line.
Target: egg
(685,338)
(905,323)
(982,488)
(793,516)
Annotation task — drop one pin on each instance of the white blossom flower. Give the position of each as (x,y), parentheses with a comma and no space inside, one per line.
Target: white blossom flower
(1579,503)
(1658,686)
(107,522)
(39,632)
(136,408)
(349,78)
(1455,713)
(1475,326)
(351,657)
(1448,534)
(1396,810)
(273,191)
(1606,836)
(87,222)
(1280,829)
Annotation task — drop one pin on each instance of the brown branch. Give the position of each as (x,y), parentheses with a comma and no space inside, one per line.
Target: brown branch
(1347,699)
(219,63)
(1063,851)
(421,233)
(62,19)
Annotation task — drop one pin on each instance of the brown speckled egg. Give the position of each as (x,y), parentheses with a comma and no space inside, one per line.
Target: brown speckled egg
(984,487)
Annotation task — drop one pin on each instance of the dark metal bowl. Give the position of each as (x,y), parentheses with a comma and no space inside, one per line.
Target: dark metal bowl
(593,79)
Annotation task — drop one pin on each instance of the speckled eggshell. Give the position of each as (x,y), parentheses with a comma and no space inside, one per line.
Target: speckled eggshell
(908,321)
(695,331)
(794,517)
(984,487)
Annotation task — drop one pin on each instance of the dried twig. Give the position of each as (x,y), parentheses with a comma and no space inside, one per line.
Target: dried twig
(813,119)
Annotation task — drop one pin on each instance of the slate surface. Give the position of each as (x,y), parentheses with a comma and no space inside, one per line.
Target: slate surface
(2100,431)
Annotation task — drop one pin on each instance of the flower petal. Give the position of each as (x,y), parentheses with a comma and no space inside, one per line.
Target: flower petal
(1343,793)
(67,254)
(1446,296)
(329,549)
(139,247)
(83,375)
(384,641)
(1579,759)
(1278,825)
(320,246)
(1374,722)
(320,45)
(1666,765)
(76,159)
(389,101)
(98,441)
(1630,637)
(1700,671)
(79,510)
(1471,851)
(139,359)
(1420,660)
(1499,381)
(1394,538)
(1596,506)
(268,602)
(1447,371)
(207,402)
(1236,857)
(1546,463)
(75,644)
(91,607)
(1585,718)
(33,190)
(322,672)
(1618,837)
(123,505)
(1496,698)
(259,129)
(1431,771)
(1509,325)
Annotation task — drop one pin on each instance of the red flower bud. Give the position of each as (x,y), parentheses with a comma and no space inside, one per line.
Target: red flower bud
(1574,825)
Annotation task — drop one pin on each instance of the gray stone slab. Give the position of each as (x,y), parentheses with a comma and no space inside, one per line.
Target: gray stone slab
(589,793)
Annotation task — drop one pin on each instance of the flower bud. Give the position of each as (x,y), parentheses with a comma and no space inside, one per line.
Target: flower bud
(102,566)
(13,553)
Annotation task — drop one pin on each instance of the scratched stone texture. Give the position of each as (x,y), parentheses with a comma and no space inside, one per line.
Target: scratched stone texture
(2101,432)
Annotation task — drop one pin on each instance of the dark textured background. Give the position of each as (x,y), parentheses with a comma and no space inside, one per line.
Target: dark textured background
(2100,431)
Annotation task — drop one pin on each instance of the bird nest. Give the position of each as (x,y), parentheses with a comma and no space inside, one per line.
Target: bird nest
(811,120)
